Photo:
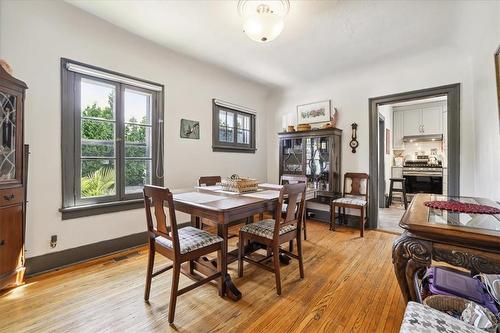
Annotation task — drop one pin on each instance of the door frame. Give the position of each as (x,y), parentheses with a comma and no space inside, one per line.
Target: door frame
(381,160)
(452,92)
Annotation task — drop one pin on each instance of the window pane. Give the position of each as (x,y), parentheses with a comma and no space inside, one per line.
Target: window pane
(222,134)
(97,99)
(98,178)
(8,124)
(230,135)
(243,136)
(97,138)
(137,141)
(137,107)
(243,122)
(222,118)
(230,119)
(137,174)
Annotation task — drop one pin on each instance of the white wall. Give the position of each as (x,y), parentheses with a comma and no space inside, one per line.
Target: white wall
(34,35)
(350,91)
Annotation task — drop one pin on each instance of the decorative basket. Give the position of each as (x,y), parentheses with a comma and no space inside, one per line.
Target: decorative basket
(303,127)
(454,306)
(239,185)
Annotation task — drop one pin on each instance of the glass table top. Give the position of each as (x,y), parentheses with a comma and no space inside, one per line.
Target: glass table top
(477,221)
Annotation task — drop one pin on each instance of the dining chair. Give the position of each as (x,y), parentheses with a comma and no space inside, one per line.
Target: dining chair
(273,232)
(208,181)
(179,245)
(354,196)
(294,179)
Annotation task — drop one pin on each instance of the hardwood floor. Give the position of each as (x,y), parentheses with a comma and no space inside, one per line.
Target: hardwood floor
(349,286)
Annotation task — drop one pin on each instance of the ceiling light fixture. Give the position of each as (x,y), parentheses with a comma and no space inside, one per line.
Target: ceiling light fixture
(263,18)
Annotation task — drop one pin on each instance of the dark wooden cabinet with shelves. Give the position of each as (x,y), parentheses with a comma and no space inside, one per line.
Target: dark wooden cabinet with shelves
(13,167)
(315,154)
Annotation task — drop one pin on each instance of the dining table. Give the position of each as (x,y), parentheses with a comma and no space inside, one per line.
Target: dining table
(224,209)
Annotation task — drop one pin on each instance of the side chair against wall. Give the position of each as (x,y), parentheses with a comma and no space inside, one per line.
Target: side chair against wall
(355,196)
(178,245)
(272,233)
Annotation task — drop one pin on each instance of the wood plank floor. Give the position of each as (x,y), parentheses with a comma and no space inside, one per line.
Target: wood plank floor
(349,287)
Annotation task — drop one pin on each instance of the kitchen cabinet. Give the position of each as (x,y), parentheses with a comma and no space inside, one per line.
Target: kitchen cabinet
(432,120)
(397,130)
(412,122)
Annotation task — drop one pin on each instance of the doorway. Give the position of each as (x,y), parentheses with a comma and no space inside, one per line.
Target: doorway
(381,160)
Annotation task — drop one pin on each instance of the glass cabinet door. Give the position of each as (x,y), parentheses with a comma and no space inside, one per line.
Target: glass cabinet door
(8,118)
(292,155)
(318,162)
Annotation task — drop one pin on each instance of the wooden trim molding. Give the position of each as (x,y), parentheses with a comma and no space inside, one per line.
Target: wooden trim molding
(452,92)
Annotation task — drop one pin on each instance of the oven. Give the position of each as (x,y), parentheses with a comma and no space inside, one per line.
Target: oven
(423,180)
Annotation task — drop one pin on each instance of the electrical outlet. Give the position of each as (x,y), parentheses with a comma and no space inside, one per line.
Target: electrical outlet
(53,241)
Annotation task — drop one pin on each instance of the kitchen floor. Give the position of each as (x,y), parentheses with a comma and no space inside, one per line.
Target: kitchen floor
(388,218)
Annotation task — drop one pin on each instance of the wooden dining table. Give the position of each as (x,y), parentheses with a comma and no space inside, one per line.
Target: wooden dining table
(225,209)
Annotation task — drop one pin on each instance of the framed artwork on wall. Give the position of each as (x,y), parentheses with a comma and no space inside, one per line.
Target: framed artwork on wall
(318,112)
(190,129)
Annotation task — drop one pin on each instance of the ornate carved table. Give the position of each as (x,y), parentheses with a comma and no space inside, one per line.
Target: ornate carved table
(470,241)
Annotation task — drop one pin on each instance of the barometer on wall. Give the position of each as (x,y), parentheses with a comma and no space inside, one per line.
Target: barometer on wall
(354,142)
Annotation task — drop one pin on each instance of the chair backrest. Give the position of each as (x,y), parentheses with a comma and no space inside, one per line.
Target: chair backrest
(209,180)
(356,184)
(292,179)
(295,195)
(156,197)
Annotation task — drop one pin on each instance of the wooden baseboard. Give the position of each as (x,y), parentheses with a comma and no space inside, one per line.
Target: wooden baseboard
(61,259)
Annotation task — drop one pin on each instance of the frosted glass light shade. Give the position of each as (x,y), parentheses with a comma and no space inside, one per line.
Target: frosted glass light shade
(263,27)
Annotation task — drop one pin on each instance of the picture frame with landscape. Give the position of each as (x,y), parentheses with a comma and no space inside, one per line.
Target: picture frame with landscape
(317,112)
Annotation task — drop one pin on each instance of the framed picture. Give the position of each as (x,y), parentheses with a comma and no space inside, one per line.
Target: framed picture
(318,112)
(497,70)
(387,141)
(190,129)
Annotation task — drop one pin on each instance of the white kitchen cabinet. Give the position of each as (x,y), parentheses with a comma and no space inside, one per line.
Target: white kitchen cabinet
(412,122)
(397,130)
(432,120)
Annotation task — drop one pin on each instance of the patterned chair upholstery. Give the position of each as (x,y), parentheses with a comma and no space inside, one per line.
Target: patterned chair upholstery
(191,239)
(265,228)
(420,318)
(351,201)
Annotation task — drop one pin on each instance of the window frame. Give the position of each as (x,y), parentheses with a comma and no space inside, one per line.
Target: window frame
(224,146)
(73,205)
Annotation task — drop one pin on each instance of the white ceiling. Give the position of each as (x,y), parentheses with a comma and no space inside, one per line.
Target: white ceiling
(319,38)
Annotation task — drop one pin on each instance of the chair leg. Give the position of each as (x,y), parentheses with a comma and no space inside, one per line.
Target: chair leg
(276,259)
(241,249)
(391,186)
(344,217)
(290,245)
(362,222)
(173,291)
(149,272)
(304,218)
(299,252)
(332,216)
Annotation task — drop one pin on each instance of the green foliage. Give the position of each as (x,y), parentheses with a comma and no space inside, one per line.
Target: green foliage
(100,183)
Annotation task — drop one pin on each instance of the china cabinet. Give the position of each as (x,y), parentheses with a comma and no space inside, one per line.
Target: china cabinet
(315,154)
(13,172)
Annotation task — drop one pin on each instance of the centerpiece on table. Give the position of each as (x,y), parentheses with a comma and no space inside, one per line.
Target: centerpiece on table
(239,184)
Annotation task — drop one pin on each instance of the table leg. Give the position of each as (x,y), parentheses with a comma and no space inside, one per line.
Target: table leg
(195,222)
(230,289)
(410,257)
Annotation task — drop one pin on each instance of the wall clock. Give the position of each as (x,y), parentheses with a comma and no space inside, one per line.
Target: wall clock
(354,142)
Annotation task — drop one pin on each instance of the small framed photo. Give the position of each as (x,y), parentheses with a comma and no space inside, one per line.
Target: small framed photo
(318,112)
(190,129)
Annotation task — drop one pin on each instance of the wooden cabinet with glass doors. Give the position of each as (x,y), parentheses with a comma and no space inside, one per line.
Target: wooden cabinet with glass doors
(316,154)
(12,181)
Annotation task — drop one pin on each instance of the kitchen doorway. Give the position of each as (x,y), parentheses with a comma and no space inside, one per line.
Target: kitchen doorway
(414,137)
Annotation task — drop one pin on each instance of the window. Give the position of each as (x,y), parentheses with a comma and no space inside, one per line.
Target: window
(112,130)
(233,128)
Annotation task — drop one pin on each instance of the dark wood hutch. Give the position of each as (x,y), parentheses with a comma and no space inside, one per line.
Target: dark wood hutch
(317,155)
(13,172)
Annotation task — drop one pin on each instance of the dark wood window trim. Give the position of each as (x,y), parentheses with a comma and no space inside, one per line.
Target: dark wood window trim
(71,206)
(233,147)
